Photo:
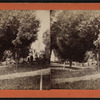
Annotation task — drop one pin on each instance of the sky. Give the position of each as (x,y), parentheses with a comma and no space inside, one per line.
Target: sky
(44,17)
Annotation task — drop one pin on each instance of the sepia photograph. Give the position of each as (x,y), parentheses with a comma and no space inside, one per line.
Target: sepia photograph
(75,49)
(25,49)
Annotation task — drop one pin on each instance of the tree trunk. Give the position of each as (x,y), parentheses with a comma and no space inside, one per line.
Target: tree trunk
(16,59)
(6,63)
(75,64)
(82,64)
(88,64)
(98,64)
(70,63)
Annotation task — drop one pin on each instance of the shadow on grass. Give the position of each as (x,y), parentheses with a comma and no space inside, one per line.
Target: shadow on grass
(75,68)
(25,67)
(46,82)
(82,85)
(26,83)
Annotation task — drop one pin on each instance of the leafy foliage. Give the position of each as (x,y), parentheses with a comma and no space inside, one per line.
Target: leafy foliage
(73,34)
(18,29)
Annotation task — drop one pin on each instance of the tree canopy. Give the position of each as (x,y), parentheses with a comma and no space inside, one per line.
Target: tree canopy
(73,33)
(18,29)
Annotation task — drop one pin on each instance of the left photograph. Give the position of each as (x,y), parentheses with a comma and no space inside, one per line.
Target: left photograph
(25,49)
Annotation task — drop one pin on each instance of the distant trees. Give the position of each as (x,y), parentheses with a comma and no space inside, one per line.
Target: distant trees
(97,44)
(18,29)
(73,34)
(46,41)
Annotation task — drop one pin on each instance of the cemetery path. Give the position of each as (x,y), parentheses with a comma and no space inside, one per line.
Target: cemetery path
(25,74)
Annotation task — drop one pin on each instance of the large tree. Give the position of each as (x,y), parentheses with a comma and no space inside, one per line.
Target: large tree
(18,29)
(73,34)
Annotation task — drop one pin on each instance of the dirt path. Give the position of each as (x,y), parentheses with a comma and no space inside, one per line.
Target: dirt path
(87,77)
(57,66)
(67,69)
(25,74)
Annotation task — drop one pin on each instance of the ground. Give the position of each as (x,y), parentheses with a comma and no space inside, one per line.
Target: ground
(24,67)
(76,77)
(25,77)
(25,83)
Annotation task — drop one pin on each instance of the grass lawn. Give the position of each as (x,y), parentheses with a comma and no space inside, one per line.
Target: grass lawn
(46,82)
(71,73)
(88,85)
(21,68)
(26,83)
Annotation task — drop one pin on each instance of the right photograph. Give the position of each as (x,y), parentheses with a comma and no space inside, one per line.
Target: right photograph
(75,49)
